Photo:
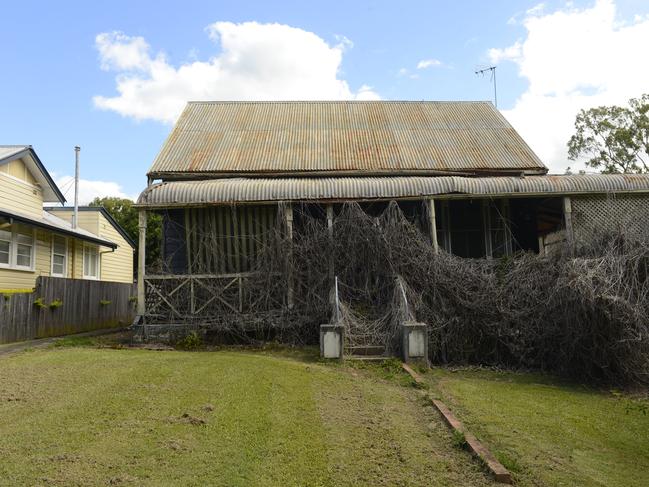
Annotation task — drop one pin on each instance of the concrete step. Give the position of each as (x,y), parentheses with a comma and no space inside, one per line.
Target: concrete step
(365,349)
(367,358)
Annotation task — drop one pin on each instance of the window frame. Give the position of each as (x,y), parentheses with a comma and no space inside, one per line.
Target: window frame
(65,256)
(97,259)
(13,250)
(10,251)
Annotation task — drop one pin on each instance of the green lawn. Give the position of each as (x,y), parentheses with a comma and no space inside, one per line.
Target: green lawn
(552,434)
(88,416)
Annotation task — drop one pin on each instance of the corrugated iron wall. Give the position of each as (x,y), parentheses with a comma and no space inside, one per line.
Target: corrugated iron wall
(228,239)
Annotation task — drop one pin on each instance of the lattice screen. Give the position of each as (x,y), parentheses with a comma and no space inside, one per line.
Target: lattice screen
(603,213)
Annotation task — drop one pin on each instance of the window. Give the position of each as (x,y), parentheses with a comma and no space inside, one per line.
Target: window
(59,256)
(16,247)
(24,250)
(90,262)
(5,247)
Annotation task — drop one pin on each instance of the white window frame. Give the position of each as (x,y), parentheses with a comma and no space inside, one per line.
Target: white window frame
(65,257)
(10,240)
(98,254)
(13,251)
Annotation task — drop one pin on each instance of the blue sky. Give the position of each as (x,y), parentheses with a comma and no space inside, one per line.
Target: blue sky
(552,60)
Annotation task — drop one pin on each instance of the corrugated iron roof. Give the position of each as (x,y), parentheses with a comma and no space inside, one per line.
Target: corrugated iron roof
(342,138)
(7,151)
(249,190)
(56,224)
(51,192)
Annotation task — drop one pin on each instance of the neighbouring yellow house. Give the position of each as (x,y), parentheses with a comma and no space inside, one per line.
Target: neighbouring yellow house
(41,241)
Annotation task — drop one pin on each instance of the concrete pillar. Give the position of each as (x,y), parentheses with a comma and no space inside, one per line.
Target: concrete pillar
(331,341)
(141,263)
(433,225)
(414,345)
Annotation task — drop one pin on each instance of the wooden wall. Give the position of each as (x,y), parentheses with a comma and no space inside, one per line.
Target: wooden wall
(228,239)
(82,309)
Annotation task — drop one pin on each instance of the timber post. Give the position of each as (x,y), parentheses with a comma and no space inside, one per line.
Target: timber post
(486,227)
(141,263)
(330,231)
(567,215)
(288,215)
(433,225)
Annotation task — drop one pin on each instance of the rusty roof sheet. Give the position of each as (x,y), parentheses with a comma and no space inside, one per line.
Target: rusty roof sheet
(342,138)
(251,190)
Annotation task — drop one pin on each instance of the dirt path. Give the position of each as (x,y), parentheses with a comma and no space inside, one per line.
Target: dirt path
(8,348)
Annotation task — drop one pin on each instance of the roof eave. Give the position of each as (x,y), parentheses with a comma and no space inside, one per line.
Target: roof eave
(477,172)
(55,229)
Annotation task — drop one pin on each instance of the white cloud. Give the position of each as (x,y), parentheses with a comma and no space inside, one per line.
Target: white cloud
(428,63)
(510,53)
(405,72)
(256,62)
(89,189)
(573,58)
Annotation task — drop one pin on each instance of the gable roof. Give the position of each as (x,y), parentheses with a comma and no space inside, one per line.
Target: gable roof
(103,211)
(51,192)
(342,138)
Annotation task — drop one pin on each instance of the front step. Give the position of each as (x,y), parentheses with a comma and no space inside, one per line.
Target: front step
(365,350)
(367,358)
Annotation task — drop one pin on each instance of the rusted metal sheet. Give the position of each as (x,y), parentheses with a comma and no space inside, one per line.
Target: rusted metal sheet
(248,190)
(345,137)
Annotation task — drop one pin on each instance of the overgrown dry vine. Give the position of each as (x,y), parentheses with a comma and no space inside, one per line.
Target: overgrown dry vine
(583,313)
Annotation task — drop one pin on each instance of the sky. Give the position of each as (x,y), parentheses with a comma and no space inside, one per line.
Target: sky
(112,76)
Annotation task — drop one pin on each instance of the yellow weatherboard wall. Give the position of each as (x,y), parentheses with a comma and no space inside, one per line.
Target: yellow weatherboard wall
(20,194)
(117,265)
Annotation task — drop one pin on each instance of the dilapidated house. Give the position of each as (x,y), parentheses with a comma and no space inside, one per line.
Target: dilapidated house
(233,175)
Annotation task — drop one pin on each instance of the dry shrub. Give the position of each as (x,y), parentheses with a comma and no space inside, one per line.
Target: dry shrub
(582,314)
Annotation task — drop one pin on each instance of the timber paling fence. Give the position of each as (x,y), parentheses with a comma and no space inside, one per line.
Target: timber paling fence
(61,306)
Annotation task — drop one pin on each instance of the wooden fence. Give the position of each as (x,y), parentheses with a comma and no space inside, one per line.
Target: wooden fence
(65,306)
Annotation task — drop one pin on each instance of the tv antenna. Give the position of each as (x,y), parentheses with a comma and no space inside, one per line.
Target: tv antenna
(492,70)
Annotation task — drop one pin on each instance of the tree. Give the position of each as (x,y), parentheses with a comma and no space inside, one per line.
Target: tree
(614,139)
(122,210)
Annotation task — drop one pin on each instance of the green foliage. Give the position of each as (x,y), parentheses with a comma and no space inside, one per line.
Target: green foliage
(132,299)
(104,302)
(509,462)
(612,138)
(459,440)
(122,210)
(57,303)
(192,341)
(38,302)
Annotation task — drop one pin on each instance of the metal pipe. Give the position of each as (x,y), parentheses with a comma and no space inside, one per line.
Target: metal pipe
(75,215)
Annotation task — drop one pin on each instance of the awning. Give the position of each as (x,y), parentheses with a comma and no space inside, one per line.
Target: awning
(259,190)
(57,225)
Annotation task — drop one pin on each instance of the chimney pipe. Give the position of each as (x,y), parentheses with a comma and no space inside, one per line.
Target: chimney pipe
(75,215)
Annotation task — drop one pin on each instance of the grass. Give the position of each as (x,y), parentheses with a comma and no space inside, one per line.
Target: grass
(552,434)
(73,414)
